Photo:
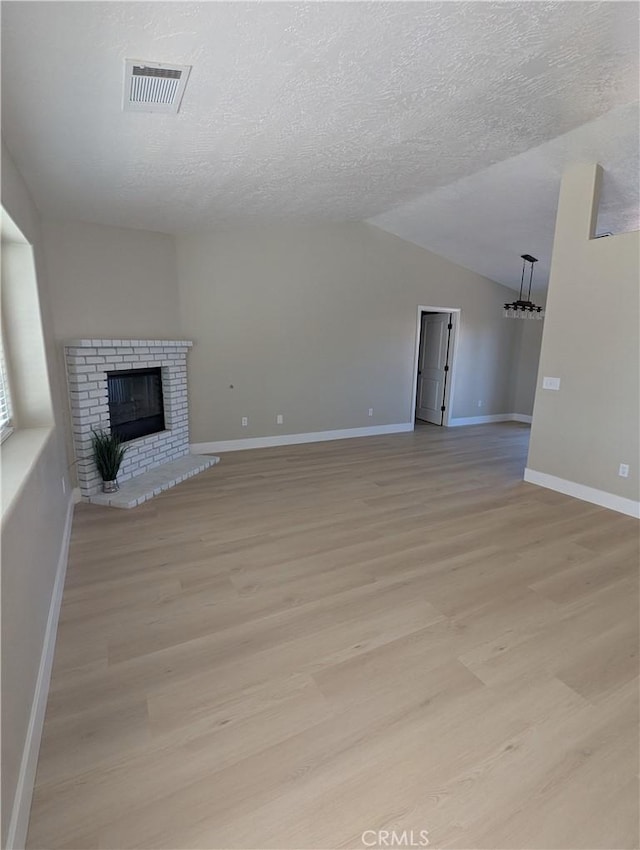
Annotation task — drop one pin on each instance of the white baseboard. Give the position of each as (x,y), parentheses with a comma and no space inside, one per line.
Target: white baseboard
(581,491)
(19,823)
(494,417)
(295,439)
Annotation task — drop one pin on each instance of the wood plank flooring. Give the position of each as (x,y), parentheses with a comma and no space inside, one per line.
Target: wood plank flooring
(308,642)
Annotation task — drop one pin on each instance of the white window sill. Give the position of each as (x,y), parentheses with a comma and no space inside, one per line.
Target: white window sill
(19,454)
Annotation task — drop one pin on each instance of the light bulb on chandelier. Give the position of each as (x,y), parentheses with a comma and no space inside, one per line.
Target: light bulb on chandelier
(524,308)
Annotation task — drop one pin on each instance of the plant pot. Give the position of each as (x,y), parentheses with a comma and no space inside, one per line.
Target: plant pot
(110,486)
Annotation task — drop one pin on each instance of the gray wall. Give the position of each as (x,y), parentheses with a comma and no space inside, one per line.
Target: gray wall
(110,281)
(526,356)
(590,341)
(316,323)
(319,323)
(32,533)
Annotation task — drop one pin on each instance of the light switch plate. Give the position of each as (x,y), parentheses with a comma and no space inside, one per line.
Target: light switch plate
(550,383)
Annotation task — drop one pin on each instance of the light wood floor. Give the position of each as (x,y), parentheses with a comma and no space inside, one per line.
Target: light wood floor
(308,642)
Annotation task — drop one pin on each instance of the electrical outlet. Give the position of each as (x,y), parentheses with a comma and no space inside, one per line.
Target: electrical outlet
(279,419)
(245,421)
(370,411)
(550,383)
(623,470)
(480,402)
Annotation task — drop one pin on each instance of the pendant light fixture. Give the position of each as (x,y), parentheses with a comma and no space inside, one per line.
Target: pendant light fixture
(524,308)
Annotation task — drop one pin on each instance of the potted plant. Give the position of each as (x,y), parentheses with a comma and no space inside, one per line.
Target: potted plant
(108,452)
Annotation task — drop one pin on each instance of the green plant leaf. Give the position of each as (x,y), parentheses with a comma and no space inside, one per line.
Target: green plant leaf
(108,453)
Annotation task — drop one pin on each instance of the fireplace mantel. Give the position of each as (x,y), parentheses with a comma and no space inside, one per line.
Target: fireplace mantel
(128,343)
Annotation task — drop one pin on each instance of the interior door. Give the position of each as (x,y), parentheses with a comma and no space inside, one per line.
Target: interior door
(433,367)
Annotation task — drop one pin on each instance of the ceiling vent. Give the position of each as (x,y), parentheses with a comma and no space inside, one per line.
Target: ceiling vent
(153,86)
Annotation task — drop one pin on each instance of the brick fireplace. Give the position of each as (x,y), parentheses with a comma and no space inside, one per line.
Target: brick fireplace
(96,366)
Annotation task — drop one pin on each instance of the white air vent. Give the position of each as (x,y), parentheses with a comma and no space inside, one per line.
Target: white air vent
(153,86)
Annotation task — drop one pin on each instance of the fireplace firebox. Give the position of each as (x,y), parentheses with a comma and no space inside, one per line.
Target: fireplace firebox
(136,405)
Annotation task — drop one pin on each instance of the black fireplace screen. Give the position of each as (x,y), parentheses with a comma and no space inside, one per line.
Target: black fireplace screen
(136,406)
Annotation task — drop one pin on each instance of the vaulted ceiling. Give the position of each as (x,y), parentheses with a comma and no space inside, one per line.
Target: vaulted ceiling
(486,220)
(448,124)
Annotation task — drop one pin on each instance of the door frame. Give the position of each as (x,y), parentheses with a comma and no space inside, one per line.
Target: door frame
(453,349)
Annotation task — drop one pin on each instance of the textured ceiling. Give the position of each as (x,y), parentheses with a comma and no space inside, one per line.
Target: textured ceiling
(303,111)
(487,220)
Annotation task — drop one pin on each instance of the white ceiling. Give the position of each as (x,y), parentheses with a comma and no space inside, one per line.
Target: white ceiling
(487,220)
(306,111)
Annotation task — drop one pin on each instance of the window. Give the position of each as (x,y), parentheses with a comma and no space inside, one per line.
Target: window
(6,425)
(25,394)
(25,397)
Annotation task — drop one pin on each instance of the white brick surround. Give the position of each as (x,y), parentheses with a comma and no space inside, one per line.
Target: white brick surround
(88,361)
